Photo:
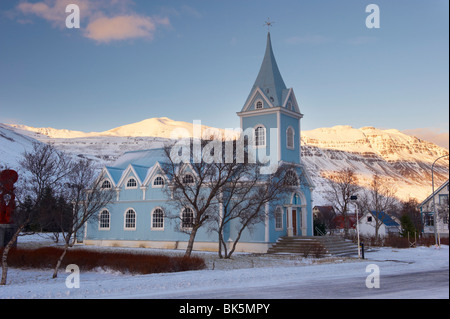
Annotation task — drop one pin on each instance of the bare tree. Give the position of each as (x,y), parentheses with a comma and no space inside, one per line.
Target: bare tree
(442,210)
(42,167)
(244,199)
(87,196)
(379,198)
(194,186)
(343,185)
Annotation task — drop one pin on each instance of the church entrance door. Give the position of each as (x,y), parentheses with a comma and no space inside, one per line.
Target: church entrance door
(294,222)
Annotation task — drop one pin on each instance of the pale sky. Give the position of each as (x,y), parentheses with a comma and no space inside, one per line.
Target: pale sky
(197,60)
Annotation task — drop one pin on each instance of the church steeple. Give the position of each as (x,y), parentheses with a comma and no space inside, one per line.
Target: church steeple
(269,90)
(269,78)
(272,112)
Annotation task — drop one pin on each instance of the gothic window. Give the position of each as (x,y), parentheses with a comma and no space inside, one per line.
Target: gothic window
(106,184)
(104,220)
(158,181)
(187,218)
(260,136)
(130,219)
(259,104)
(291,178)
(290,138)
(158,219)
(188,179)
(131,183)
(279,218)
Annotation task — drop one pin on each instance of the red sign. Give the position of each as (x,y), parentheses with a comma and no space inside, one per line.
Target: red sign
(7,197)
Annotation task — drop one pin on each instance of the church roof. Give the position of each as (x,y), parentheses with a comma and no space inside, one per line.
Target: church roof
(269,78)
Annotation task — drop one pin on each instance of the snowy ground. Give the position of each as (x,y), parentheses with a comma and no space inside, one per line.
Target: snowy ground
(246,272)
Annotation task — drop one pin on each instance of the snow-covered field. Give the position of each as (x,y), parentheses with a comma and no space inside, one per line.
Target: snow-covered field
(244,273)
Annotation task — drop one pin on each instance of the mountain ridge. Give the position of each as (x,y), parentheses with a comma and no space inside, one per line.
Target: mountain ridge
(402,159)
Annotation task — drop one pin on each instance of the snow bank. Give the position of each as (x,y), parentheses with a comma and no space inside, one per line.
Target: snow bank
(245,271)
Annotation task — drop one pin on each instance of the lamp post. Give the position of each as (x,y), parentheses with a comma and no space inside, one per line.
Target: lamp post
(434,200)
(355,198)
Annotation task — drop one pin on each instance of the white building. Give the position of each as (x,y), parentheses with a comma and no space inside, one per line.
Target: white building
(440,199)
(368,222)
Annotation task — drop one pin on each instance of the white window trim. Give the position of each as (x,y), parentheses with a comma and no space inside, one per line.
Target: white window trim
(110,184)
(181,219)
(293,138)
(193,178)
(131,187)
(151,216)
(125,220)
(158,186)
(254,136)
(99,220)
(256,104)
(297,182)
(282,218)
(290,105)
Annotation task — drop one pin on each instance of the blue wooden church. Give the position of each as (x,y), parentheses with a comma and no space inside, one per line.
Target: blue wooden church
(137,217)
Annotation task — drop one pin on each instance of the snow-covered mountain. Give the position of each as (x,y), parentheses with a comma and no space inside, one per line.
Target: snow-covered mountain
(402,159)
(12,145)
(162,127)
(405,160)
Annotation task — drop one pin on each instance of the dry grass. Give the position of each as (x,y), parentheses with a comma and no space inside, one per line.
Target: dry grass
(134,263)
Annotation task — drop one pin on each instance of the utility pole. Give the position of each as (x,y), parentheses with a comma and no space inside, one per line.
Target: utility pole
(435,215)
(354,198)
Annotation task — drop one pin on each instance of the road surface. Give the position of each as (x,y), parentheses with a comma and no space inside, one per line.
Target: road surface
(424,284)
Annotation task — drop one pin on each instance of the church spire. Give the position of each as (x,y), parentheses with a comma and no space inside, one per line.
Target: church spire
(269,79)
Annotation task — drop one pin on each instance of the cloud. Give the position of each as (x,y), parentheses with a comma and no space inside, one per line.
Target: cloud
(102,21)
(123,27)
(430,135)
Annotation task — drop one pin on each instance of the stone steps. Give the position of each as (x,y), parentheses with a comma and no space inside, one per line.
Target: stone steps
(314,245)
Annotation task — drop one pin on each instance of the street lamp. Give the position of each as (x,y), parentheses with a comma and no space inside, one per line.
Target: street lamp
(434,200)
(355,198)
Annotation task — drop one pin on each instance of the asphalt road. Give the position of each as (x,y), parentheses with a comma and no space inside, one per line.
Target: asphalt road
(417,285)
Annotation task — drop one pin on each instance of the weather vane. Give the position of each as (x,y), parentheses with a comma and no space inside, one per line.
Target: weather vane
(269,24)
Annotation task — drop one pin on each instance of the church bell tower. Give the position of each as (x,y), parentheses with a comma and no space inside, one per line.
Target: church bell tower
(271,109)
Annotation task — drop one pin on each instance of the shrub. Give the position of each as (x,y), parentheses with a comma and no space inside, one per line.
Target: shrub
(135,263)
(396,241)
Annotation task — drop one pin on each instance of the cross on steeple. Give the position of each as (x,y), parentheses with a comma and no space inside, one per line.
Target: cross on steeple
(269,24)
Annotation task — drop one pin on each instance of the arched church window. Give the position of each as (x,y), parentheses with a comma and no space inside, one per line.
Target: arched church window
(106,184)
(279,218)
(187,218)
(260,136)
(259,105)
(291,178)
(158,181)
(104,220)
(290,138)
(296,200)
(188,179)
(130,219)
(158,219)
(131,183)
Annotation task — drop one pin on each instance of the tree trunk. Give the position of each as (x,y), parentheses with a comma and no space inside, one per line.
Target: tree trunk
(5,255)
(58,264)
(190,245)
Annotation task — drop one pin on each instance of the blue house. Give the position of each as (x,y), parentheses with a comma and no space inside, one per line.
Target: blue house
(138,216)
